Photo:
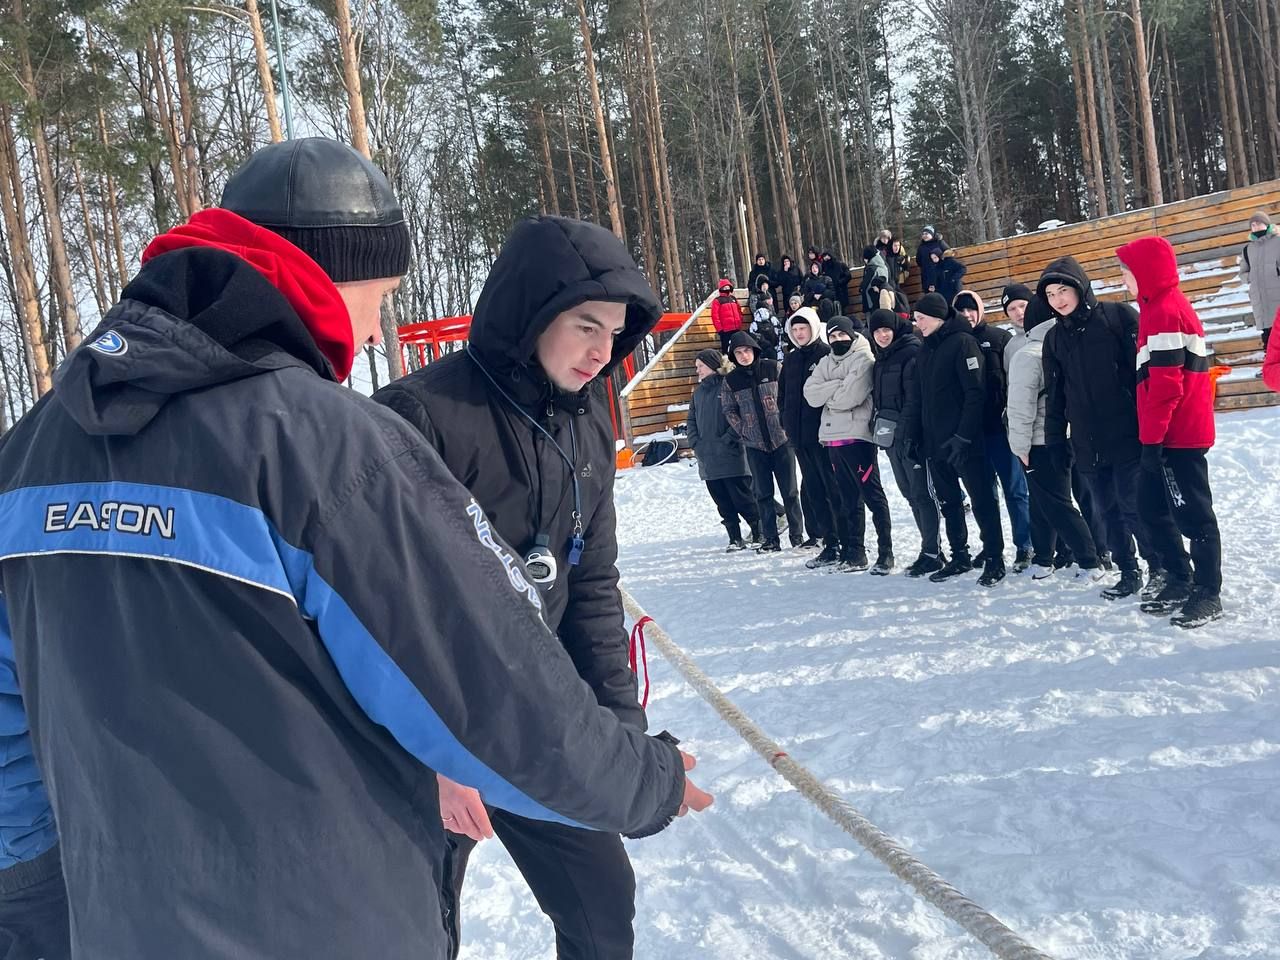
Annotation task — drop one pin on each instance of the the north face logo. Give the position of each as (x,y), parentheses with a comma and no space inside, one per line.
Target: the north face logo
(110,343)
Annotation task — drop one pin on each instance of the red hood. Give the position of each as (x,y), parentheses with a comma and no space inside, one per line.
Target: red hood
(307,288)
(1153,263)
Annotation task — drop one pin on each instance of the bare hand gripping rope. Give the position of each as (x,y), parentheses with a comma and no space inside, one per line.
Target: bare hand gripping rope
(1002,941)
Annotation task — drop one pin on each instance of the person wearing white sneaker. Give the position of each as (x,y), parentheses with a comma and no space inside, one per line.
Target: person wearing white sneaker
(1053,514)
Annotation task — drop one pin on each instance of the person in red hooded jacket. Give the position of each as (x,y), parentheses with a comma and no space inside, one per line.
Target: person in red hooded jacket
(1175,425)
(726,314)
(1271,365)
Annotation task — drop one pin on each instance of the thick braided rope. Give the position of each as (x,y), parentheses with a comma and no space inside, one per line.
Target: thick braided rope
(1002,941)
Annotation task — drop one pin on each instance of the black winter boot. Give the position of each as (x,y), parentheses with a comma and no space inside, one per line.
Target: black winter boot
(884,564)
(735,545)
(959,563)
(769,546)
(1130,583)
(1201,607)
(1171,598)
(809,544)
(1156,580)
(1021,560)
(926,565)
(754,538)
(992,572)
(854,563)
(829,557)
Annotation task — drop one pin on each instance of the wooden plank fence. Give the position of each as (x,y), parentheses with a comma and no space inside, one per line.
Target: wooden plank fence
(1208,234)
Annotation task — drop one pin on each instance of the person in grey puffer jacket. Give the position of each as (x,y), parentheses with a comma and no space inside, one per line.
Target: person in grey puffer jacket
(1260,268)
(1053,514)
(842,385)
(722,461)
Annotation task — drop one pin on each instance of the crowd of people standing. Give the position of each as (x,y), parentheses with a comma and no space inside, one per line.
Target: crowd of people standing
(1087,420)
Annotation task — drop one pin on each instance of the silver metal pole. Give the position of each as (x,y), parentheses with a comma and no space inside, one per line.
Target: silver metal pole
(284,71)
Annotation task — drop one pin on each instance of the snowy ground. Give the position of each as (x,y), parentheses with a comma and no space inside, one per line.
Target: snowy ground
(1107,784)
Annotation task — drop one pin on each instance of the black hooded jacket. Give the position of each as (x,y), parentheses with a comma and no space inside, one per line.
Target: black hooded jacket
(547,266)
(253,612)
(951,388)
(799,419)
(757,273)
(786,282)
(895,390)
(840,275)
(993,340)
(1090,368)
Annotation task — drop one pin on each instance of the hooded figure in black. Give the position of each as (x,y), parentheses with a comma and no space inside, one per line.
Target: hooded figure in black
(819,495)
(930,242)
(760,267)
(237,725)
(946,429)
(1090,367)
(896,395)
(840,276)
(538,457)
(787,279)
(749,396)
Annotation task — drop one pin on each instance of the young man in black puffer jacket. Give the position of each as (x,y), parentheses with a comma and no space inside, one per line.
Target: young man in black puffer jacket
(946,428)
(824,516)
(1090,366)
(750,399)
(896,394)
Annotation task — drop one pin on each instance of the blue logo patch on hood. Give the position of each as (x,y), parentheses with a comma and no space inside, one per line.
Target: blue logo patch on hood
(110,343)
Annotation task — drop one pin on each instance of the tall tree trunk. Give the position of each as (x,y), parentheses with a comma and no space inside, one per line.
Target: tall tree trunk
(548,166)
(1082,125)
(1154,188)
(1244,105)
(1091,113)
(606,160)
(591,162)
(1141,198)
(99,285)
(1233,136)
(573,172)
(1110,125)
(167,122)
(59,267)
(706,205)
(15,228)
(1170,105)
(264,69)
(120,274)
(186,107)
(640,182)
(784,140)
(664,170)
(1270,55)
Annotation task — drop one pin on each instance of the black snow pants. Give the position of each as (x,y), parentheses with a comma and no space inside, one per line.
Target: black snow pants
(1182,489)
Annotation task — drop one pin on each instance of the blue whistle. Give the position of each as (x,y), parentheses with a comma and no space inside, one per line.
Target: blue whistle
(576,546)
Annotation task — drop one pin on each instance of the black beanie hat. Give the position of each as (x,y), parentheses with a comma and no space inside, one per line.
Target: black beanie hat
(1038,311)
(842,324)
(1015,291)
(712,358)
(965,301)
(868,253)
(743,339)
(329,201)
(933,305)
(883,318)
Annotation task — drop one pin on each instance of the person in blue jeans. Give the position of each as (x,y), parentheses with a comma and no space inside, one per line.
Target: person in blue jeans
(1005,466)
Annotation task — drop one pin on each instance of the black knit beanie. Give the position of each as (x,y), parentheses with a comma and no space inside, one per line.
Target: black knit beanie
(1038,311)
(328,200)
(1015,291)
(883,318)
(842,325)
(933,305)
(712,358)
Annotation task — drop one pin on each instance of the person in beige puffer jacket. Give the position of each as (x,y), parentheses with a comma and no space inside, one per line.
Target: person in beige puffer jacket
(841,385)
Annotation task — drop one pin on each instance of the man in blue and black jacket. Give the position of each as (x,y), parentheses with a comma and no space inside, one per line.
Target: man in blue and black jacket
(253,613)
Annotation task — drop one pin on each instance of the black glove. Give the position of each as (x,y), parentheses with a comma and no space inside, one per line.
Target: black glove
(955,451)
(911,449)
(1060,457)
(1153,457)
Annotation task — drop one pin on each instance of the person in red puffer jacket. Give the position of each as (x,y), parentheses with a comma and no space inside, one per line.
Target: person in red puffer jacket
(1271,365)
(726,314)
(1175,425)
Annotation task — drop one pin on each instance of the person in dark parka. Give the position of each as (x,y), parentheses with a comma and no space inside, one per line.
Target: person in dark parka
(816,286)
(930,242)
(787,279)
(759,268)
(896,394)
(1090,366)
(946,429)
(521,419)
(749,395)
(948,276)
(722,461)
(249,772)
(824,516)
(840,275)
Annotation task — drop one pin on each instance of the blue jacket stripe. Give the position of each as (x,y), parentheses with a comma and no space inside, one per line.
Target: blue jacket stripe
(235,540)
